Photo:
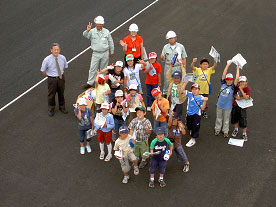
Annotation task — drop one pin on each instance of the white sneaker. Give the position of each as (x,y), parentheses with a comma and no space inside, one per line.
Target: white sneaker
(101,156)
(136,170)
(82,150)
(125,180)
(108,158)
(191,143)
(88,148)
(148,108)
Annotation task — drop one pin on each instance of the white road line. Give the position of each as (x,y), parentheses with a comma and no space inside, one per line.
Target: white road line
(18,97)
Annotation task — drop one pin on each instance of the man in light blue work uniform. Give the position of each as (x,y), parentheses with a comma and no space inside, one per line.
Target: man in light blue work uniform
(102,46)
(168,52)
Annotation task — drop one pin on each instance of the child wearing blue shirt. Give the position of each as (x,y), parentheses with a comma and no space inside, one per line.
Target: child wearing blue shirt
(195,104)
(225,100)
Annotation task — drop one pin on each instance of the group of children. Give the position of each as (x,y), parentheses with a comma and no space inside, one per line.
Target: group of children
(122,111)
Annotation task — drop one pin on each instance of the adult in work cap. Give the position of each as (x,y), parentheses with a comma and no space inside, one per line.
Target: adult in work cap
(133,28)
(99,20)
(170,34)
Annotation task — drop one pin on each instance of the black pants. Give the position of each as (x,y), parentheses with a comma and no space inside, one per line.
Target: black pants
(56,85)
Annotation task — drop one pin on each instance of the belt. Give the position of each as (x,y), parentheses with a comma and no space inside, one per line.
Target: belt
(173,65)
(57,77)
(100,51)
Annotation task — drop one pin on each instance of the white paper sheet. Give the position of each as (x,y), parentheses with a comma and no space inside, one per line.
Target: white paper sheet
(191,77)
(157,111)
(236,142)
(239,60)
(100,120)
(214,53)
(245,103)
(90,133)
(119,154)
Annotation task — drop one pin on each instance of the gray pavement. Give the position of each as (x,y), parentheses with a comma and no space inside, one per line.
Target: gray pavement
(40,164)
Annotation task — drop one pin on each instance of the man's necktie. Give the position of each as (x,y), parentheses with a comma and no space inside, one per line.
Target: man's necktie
(59,71)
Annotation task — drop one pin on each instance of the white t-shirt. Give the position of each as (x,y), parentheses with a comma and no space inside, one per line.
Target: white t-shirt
(130,77)
(174,95)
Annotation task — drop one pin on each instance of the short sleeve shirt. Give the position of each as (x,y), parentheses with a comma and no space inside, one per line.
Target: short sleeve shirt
(134,102)
(174,95)
(116,76)
(49,65)
(133,47)
(201,81)
(193,104)
(118,114)
(100,90)
(153,79)
(225,100)
(85,122)
(139,127)
(124,145)
(247,91)
(132,75)
(166,105)
(162,146)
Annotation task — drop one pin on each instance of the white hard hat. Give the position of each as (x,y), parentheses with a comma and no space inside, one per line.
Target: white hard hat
(99,20)
(133,28)
(170,34)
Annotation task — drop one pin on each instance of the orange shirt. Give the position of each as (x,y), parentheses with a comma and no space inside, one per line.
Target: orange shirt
(166,105)
(152,80)
(133,44)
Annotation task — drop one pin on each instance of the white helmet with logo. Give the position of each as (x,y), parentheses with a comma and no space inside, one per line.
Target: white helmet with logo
(170,34)
(133,28)
(99,20)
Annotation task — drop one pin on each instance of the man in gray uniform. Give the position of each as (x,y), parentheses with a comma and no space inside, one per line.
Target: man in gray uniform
(168,52)
(102,46)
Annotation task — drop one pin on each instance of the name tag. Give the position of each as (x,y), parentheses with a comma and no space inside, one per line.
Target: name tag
(133,49)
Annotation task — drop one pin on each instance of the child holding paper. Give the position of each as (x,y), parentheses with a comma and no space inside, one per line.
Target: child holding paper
(153,78)
(162,105)
(124,153)
(102,90)
(85,122)
(104,123)
(175,85)
(196,103)
(225,100)
(239,115)
(140,128)
(164,146)
(204,80)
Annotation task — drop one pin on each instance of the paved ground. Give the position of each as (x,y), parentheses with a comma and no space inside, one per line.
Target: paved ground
(40,163)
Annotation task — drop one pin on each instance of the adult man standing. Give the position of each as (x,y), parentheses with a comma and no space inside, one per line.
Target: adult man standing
(53,67)
(102,46)
(168,52)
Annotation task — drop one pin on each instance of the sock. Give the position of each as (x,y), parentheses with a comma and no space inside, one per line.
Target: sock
(244,133)
(160,178)
(237,129)
(151,179)
(102,148)
(109,148)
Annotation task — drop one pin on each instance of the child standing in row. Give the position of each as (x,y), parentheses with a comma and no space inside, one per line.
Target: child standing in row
(153,78)
(140,129)
(204,80)
(104,131)
(85,122)
(122,144)
(102,91)
(161,151)
(225,100)
(195,104)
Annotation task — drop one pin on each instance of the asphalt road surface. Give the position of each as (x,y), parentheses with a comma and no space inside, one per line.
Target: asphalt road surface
(40,164)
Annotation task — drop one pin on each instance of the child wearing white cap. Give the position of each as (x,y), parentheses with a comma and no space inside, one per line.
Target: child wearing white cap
(85,122)
(225,100)
(104,123)
(238,114)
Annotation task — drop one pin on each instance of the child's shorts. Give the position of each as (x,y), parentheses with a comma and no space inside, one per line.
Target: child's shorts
(193,124)
(239,115)
(125,162)
(178,109)
(104,136)
(83,135)
(140,148)
(160,164)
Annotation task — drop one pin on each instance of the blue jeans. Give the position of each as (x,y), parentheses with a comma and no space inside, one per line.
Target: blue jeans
(150,98)
(111,96)
(83,135)
(118,124)
(161,124)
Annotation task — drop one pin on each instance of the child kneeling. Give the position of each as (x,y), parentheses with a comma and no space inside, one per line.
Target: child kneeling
(124,153)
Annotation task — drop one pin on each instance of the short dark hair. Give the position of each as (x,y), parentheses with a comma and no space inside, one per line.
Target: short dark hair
(55,44)
(204,60)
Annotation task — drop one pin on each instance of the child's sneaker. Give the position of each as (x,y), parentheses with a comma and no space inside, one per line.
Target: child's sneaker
(205,115)
(148,108)
(186,167)
(244,136)
(225,135)
(151,183)
(217,132)
(101,156)
(235,133)
(191,143)
(82,150)
(125,180)
(136,170)
(108,158)
(88,148)
(143,164)
(162,183)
